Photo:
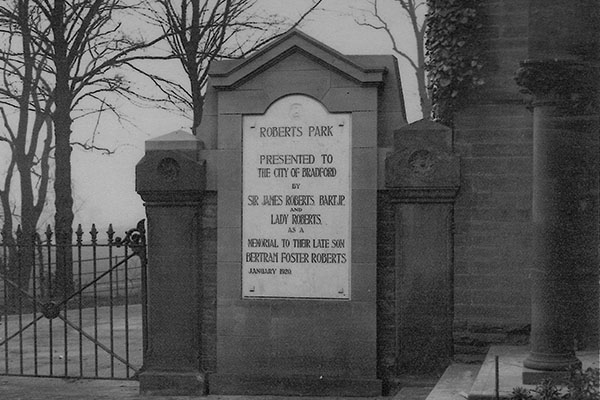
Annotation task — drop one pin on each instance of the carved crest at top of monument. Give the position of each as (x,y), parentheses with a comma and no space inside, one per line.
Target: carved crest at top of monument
(423,158)
(161,173)
(422,163)
(168,168)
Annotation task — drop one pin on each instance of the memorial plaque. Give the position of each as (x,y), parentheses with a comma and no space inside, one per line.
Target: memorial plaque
(296,201)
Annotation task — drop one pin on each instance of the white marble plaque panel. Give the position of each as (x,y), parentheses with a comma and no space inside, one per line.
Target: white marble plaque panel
(296,211)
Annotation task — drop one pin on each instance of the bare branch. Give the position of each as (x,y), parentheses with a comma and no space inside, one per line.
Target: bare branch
(7,126)
(44,177)
(88,147)
(375,18)
(294,26)
(200,32)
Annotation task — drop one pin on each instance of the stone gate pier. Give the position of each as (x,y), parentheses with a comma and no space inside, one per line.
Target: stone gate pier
(301,242)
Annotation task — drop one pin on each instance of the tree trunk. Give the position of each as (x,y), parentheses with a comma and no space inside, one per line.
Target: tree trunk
(8,257)
(21,267)
(63,218)
(198,103)
(21,272)
(423,93)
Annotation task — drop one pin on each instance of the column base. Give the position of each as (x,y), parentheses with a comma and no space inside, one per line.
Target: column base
(168,383)
(551,362)
(293,385)
(535,377)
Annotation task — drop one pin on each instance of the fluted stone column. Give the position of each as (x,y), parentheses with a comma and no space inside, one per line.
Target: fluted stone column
(562,77)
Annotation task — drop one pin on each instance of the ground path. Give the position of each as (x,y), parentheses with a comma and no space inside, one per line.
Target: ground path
(48,355)
(32,388)
(17,388)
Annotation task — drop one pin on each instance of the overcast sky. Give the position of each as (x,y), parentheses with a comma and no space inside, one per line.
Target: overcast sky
(104,186)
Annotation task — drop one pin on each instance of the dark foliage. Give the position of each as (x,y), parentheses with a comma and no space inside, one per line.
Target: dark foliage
(453,54)
(581,385)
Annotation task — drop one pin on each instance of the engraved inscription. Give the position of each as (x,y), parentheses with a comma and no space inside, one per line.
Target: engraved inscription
(296,202)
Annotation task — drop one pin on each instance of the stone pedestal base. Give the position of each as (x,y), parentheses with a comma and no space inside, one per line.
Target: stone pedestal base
(293,385)
(551,362)
(166,383)
(535,377)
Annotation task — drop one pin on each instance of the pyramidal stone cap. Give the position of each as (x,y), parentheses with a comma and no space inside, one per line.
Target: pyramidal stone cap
(177,140)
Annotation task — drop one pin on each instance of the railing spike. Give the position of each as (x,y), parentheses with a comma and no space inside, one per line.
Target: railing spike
(79,233)
(110,232)
(48,234)
(94,233)
(19,235)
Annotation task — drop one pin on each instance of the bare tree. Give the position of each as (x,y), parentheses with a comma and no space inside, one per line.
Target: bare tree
(373,17)
(86,53)
(83,45)
(25,107)
(198,32)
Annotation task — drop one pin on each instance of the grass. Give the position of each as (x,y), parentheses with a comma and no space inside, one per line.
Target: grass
(57,348)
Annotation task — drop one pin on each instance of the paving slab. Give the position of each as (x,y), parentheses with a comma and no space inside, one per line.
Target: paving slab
(29,388)
(510,362)
(455,383)
(413,393)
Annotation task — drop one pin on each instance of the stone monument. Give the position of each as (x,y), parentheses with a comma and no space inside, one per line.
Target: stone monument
(268,239)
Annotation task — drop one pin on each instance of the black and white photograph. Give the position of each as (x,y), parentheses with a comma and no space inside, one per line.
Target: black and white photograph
(300,199)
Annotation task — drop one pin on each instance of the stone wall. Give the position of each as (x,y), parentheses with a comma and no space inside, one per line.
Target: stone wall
(208,342)
(387,328)
(493,236)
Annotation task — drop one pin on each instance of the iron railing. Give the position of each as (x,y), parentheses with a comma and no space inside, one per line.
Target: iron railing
(83,318)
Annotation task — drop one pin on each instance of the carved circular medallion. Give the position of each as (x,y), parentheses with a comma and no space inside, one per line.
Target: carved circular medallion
(50,310)
(422,163)
(168,168)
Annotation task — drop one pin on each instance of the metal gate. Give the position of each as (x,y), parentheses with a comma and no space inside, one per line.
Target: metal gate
(80,317)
